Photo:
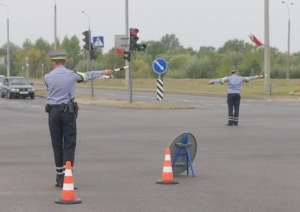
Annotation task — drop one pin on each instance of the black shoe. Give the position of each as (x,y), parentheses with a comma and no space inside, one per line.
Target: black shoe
(58,185)
(229,125)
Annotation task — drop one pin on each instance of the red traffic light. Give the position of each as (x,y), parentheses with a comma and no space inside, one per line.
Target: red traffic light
(134,31)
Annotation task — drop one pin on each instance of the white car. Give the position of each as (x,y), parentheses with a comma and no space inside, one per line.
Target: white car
(17,87)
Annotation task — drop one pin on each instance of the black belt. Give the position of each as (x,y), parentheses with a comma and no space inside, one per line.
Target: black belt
(56,106)
(62,107)
(70,107)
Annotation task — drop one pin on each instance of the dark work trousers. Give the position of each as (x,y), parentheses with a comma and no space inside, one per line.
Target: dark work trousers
(63,133)
(233,102)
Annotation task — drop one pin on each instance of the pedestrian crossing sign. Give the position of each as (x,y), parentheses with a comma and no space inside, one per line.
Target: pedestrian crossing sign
(98,42)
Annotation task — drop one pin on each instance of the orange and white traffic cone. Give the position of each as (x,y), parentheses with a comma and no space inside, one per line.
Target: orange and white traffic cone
(68,193)
(167,173)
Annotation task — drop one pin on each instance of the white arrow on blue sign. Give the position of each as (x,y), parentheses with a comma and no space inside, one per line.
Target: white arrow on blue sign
(159,66)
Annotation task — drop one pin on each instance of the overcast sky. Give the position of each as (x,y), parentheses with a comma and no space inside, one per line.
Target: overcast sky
(195,23)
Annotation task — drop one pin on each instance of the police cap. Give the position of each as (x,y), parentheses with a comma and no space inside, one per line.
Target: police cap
(234,71)
(58,55)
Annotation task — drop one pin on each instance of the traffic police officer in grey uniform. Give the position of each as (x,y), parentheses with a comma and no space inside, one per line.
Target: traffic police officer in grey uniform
(62,109)
(233,96)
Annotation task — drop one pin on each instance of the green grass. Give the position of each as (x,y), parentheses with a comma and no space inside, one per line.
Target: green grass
(280,88)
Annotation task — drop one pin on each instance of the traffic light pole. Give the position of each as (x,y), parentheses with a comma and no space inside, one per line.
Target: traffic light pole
(88,47)
(133,46)
(130,79)
(89,62)
(128,55)
(127,35)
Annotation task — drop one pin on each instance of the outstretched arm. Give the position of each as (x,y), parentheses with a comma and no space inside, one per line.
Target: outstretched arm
(220,80)
(90,75)
(248,79)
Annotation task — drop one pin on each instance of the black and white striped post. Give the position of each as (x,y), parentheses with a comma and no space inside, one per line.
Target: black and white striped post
(159,66)
(159,89)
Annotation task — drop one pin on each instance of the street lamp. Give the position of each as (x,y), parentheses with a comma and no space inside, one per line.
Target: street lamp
(289,37)
(55,26)
(7,46)
(89,21)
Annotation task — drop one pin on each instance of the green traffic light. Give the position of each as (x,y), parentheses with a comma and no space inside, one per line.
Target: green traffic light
(141,47)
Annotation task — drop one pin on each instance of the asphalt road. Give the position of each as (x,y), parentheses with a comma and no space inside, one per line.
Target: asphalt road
(253,167)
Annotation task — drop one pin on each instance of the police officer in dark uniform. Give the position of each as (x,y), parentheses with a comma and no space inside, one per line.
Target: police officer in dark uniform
(63,109)
(233,97)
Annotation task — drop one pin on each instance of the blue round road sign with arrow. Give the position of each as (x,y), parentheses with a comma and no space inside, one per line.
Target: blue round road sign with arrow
(159,66)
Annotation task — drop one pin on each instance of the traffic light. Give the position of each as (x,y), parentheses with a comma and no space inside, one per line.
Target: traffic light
(87,40)
(133,39)
(127,56)
(134,46)
(92,53)
(141,47)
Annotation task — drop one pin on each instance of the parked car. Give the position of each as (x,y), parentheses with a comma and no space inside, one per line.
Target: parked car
(16,87)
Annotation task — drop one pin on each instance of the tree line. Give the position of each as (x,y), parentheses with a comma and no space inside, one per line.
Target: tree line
(207,62)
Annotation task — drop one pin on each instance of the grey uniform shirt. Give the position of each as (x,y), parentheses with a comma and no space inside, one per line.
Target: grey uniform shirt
(61,81)
(235,82)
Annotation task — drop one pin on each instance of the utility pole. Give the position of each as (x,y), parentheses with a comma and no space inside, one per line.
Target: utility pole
(289,39)
(7,45)
(267,80)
